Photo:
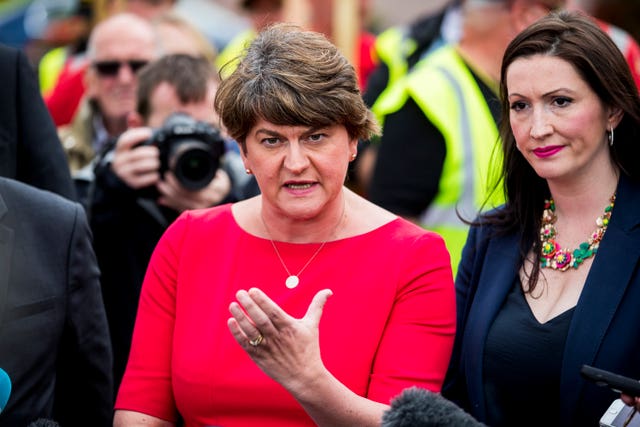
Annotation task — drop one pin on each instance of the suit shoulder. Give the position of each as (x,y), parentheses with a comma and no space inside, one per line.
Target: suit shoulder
(19,194)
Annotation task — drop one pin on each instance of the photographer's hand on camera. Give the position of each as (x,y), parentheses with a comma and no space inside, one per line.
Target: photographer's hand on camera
(135,164)
(138,165)
(178,198)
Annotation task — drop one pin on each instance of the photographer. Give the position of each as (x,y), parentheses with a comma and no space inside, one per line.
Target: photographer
(138,193)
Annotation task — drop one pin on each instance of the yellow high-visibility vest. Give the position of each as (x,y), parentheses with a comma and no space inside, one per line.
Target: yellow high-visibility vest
(393,47)
(445,90)
(49,68)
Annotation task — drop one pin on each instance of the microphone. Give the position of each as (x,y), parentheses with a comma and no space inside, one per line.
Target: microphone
(417,407)
(5,388)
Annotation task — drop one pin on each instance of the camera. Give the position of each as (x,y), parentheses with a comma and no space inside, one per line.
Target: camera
(189,148)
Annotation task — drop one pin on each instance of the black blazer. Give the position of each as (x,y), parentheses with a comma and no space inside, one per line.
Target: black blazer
(604,330)
(54,339)
(30,150)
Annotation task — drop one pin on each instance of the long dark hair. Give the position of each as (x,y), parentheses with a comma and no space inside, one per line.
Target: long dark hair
(576,39)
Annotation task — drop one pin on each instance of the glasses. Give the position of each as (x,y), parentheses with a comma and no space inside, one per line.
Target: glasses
(112,68)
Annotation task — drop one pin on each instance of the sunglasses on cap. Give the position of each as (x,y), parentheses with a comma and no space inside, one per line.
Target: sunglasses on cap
(112,68)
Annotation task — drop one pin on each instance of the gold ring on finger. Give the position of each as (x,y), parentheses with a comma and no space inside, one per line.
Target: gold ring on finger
(257,340)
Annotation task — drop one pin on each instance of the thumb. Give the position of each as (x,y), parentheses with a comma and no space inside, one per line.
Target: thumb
(314,312)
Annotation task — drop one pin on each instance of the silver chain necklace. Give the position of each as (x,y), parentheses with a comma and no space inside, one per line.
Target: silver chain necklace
(293,280)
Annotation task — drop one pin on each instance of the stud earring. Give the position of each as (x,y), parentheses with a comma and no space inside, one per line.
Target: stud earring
(610,136)
(353,156)
(248,171)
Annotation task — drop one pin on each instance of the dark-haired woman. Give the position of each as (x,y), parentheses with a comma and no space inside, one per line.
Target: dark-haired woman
(551,280)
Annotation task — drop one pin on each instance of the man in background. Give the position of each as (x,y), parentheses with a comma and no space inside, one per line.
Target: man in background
(118,47)
(54,338)
(65,85)
(135,201)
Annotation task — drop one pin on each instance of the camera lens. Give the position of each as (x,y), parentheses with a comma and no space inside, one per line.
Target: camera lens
(193,164)
(190,149)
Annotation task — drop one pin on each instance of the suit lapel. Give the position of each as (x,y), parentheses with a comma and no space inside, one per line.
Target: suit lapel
(6,248)
(617,258)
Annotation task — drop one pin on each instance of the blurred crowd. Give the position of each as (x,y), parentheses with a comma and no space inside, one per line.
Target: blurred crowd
(124,125)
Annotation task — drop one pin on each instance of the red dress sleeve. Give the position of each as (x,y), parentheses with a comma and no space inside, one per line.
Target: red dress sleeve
(417,342)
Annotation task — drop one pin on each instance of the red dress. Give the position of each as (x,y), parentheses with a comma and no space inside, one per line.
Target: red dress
(389,325)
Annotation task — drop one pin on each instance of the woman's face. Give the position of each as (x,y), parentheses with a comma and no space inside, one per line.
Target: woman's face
(300,170)
(558,121)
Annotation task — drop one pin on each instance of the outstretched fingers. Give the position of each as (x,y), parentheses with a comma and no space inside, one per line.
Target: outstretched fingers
(257,319)
(245,332)
(253,318)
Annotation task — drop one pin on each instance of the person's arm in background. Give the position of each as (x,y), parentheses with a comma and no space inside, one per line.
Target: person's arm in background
(30,150)
(84,381)
(406,176)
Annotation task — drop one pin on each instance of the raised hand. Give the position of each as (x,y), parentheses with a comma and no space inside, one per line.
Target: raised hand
(289,350)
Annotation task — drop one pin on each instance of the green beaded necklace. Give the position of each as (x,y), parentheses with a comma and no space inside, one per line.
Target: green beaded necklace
(552,256)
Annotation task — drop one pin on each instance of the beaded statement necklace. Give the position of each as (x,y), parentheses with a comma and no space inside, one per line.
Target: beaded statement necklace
(556,258)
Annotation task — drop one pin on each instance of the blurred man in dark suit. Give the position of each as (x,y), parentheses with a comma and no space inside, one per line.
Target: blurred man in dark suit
(54,338)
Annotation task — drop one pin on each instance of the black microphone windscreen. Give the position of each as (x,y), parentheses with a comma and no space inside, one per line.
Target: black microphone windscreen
(417,407)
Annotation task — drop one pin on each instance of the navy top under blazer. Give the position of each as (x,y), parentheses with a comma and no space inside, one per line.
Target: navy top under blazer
(604,331)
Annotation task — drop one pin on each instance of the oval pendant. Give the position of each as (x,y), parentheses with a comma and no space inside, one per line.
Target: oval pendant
(292,281)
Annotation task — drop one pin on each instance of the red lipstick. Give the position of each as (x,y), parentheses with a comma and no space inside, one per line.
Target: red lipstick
(548,151)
